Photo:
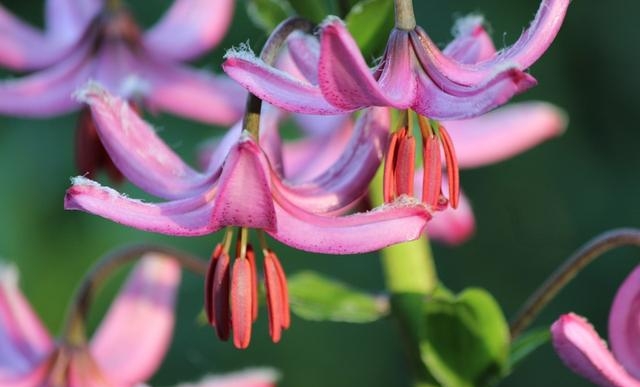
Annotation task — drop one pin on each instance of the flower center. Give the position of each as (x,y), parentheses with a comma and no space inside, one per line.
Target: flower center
(231,291)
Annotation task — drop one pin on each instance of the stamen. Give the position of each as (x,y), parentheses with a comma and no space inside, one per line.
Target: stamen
(405,164)
(274,297)
(453,173)
(388,180)
(432,171)
(220,288)
(251,257)
(241,302)
(208,284)
(286,314)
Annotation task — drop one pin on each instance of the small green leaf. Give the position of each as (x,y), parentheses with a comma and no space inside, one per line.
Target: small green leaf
(317,298)
(267,14)
(465,340)
(527,344)
(314,10)
(370,21)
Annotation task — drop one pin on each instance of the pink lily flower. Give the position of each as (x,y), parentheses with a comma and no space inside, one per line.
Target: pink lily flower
(244,186)
(142,313)
(246,378)
(99,40)
(582,350)
(465,80)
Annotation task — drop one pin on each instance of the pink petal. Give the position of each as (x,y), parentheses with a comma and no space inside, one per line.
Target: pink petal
(347,180)
(582,350)
(113,64)
(624,324)
(472,43)
(505,132)
(304,51)
(401,221)
(46,93)
(433,102)
(276,86)
(68,20)
(244,197)
(452,226)
(247,378)
(189,28)
(34,377)
(154,166)
(347,82)
(193,94)
(135,335)
(529,47)
(186,217)
(25,342)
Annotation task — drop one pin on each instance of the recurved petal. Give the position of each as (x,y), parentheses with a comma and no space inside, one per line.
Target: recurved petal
(25,342)
(185,217)
(135,335)
(472,43)
(624,324)
(189,28)
(400,221)
(48,92)
(529,47)
(194,94)
(347,82)
(154,166)
(276,86)
(67,20)
(436,103)
(505,132)
(35,376)
(584,352)
(23,46)
(453,226)
(346,180)
(259,377)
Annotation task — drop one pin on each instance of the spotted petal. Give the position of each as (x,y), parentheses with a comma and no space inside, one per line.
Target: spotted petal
(143,313)
(582,350)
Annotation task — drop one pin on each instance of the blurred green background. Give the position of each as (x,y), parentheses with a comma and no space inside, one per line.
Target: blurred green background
(532,211)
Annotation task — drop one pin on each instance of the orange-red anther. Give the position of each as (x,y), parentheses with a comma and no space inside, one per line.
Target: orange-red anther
(405,165)
(432,171)
(274,297)
(286,314)
(453,172)
(388,179)
(241,302)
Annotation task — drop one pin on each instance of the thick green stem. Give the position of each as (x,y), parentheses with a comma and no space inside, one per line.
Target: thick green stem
(74,331)
(410,277)
(569,269)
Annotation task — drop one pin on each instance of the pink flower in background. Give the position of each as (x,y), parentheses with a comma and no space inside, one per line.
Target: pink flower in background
(582,350)
(142,314)
(246,378)
(99,40)
(488,139)
(466,79)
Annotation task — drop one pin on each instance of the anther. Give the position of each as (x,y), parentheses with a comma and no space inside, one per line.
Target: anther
(241,302)
(453,172)
(399,165)
(274,297)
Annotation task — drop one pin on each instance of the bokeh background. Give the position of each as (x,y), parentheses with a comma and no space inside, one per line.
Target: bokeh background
(532,211)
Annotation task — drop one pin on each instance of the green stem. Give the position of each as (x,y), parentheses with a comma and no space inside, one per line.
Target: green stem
(74,331)
(410,277)
(405,18)
(569,269)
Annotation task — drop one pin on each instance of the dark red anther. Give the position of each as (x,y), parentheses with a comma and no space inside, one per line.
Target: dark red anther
(274,297)
(241,302)
(208,284)
(432,171)
(453,173)
(251,257)
(220,290)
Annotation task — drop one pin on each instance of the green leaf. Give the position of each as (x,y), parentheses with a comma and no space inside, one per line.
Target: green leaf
(267,14)
(314,10)
(527,344)
(370,22)
(317,298)
(465,340)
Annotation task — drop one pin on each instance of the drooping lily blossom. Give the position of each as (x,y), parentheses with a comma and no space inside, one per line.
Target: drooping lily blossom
(464,80)
(582,350)
(141,314)
(100,40)
(245,186)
